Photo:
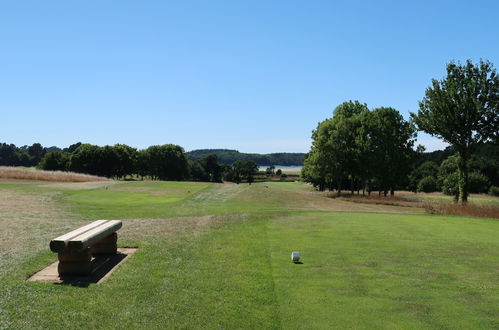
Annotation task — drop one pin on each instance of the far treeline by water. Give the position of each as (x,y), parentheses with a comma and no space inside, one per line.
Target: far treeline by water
(158,162)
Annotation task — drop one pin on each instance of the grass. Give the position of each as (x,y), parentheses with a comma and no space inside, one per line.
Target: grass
(386,271)
(217,256)
(23,173)
(434,203)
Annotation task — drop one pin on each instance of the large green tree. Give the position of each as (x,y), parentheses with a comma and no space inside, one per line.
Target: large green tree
(463,110)
(390,147)
(337,149)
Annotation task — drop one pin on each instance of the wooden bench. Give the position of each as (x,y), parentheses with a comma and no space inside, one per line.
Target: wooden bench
(76,248)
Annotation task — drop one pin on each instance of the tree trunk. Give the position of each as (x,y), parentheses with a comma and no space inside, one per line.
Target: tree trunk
(392,192)
(462,169)
(339,188)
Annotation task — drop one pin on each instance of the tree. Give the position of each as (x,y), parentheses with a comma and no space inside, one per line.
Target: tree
(390,141)
(198,172)
(36,152)
(126,162)
(55,161)
(212,168)
(337,148)
(165,162)
(241,169)
(463,110)
(72,147)
(427,169)
(9,155)
(86,159)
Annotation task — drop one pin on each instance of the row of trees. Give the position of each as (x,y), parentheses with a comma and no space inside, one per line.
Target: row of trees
(10,155)
(360,149)
(374,149)
(228,156)
(159,162)
(435,174)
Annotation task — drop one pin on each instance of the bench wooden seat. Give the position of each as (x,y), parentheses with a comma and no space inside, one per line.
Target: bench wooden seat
(76,248)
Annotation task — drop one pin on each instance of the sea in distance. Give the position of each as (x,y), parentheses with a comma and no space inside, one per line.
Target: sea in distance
(285,169)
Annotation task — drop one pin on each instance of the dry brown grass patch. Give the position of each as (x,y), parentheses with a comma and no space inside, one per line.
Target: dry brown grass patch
(484,210)
(27,223)
(20,173)
(375,199)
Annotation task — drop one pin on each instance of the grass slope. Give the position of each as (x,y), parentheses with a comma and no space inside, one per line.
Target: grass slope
(386,271)
(217,256)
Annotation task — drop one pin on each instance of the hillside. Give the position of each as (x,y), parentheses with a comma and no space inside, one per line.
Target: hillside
(228,156)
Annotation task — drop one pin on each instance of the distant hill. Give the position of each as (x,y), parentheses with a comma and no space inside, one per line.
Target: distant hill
(227,156)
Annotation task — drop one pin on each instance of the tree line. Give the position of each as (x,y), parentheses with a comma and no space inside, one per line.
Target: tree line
(158,162)
(374,149)
(228,156)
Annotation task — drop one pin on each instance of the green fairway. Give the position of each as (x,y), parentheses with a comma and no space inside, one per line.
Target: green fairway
(218,256)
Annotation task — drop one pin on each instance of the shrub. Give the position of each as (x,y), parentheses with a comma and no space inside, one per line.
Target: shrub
(427,169)
(494,191)
(478,183)
(449,184)
(55,161)
(427,184)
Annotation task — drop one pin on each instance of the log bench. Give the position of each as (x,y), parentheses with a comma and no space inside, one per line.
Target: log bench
(76,248)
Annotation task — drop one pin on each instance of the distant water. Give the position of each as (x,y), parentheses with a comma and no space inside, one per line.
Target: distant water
(282,167)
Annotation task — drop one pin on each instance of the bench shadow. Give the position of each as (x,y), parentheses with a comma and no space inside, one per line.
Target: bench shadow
(102,265)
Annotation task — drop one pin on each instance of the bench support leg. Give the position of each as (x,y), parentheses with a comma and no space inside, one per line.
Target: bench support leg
(107,245)
(79,263)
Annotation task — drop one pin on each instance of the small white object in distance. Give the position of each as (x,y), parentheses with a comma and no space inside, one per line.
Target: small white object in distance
(295,256)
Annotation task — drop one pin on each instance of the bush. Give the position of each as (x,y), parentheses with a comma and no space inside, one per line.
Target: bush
(427,184)
(494,191)
(478,183)
(450,184)
(427,169)
(55,161)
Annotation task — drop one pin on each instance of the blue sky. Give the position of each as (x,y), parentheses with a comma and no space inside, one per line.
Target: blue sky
(256,76)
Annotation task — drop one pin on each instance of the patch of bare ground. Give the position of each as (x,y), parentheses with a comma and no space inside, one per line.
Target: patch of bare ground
(27,223)
(398,200)
(21,173)
(354,205)
(309,199)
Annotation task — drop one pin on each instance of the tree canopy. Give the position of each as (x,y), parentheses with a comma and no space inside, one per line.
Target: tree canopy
(463,110)
(364,148)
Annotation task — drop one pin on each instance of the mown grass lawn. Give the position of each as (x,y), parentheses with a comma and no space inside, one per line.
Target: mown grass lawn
(223,261)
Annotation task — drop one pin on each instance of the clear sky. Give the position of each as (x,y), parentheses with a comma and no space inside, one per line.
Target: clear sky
(256,76)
